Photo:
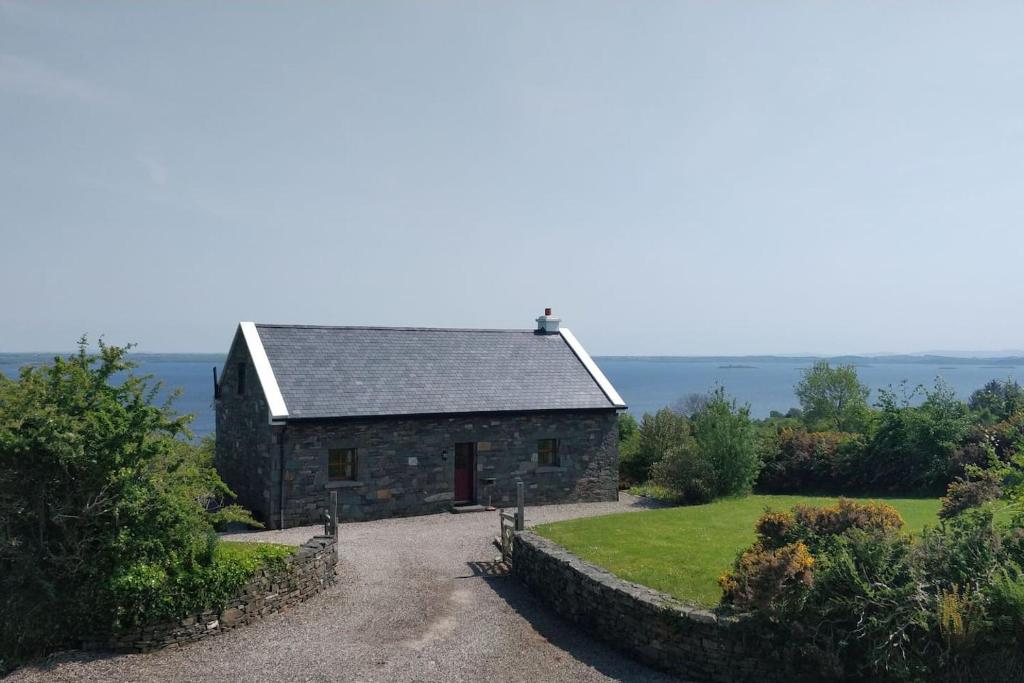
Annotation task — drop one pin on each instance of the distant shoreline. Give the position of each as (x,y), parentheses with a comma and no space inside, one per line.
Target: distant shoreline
(860,361)
(999,362)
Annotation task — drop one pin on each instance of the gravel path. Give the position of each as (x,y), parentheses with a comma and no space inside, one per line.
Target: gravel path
(417,599)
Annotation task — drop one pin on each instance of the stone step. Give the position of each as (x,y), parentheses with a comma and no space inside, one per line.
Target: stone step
(459,509)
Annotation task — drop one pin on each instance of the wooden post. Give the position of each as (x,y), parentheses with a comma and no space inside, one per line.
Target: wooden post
(520,514)
(334,514)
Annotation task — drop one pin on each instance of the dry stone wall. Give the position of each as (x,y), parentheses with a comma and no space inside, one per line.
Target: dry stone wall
(652,627)
(305,574)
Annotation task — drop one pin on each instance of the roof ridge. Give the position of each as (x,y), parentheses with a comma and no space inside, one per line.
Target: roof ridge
(396,328)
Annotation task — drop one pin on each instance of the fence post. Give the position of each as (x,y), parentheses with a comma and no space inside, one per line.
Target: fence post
(520,515)
(334,514)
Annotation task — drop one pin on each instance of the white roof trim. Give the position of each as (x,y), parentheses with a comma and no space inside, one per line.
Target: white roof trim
(592,368)
(275,401)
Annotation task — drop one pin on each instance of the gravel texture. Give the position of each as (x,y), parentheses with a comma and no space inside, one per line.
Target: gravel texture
(417,599)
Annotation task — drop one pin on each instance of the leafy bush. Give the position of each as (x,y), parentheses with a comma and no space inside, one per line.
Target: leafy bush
(687,474)
(816,524)
(796,460)
(980,486)
(867,610)
(912,447)
(776,571)
(851,598)
(100,497)
(711,454)
(725,441)
(147,590)
(997,400)
(658,434)
(629,442)
(768,579)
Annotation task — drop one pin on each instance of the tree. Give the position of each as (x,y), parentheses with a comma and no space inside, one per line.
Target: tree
(99,489)
(913,446)
(997,400)
(833,398)
(726,440)
(659,433)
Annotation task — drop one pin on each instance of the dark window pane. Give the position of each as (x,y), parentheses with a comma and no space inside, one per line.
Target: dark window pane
(547,452)
(341,464)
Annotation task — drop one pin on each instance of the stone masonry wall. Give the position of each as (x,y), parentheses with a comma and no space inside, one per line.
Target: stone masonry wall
(246,452)
(650,626)
(406,465)
(307,572)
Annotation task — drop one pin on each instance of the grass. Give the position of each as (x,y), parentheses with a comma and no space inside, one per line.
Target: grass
(252,555)
(683,550)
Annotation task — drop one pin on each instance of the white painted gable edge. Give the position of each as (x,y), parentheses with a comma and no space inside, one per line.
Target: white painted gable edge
(592,368)
(272,392)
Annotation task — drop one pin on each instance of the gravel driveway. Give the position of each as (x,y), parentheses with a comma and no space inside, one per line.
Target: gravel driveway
(417,599)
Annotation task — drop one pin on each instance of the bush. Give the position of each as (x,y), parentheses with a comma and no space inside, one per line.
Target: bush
(852,598)
(913,448)
(629,442)
(979,487)
(775,572)
(147,591)
(796,460)
(100,497)
(725,441)
(768,578)
(867,610)
(688,475)
(709,455)
(997,400)
(659,434)
(816,524)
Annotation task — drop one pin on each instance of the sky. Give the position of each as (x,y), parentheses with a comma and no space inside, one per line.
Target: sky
(674,178)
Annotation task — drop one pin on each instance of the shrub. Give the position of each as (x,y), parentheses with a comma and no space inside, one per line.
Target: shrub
(146,590)
(658,434)
(768,579)
(99,495)
(687,474)
(775,572)
(796,460)
(980,486)
(867,609)
(913,448)
(629,441)
(815,522)
(725,440)
(997,400)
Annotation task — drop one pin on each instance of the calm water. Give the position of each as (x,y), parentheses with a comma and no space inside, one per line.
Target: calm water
(646,384)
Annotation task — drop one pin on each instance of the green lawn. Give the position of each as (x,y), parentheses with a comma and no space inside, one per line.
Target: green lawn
(683,550)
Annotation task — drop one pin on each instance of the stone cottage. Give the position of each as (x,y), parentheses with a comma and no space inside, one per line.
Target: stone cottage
(409,421)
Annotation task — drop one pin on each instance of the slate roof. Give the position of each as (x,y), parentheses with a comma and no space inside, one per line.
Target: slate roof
(327,372)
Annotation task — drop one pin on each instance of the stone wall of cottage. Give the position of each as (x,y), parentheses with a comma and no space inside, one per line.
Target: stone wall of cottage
(406,465)
(652,627)
(246,450)
(305,574)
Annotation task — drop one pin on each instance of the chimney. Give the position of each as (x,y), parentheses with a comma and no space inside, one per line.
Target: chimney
(547,323)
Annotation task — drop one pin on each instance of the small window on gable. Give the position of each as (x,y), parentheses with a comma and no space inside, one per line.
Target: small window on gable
(240,381)
(547,453)
(341,464)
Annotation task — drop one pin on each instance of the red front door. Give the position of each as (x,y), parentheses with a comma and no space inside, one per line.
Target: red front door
(464,472)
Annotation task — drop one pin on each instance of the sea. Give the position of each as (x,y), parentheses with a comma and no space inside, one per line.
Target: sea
(765,383)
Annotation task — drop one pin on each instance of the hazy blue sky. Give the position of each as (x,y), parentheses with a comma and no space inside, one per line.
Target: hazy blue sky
(674,178)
